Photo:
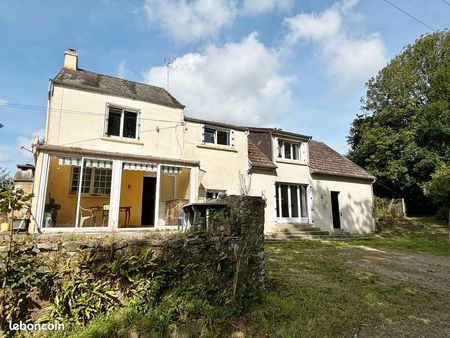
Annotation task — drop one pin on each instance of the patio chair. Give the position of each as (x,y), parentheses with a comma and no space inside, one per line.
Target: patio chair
(88,215)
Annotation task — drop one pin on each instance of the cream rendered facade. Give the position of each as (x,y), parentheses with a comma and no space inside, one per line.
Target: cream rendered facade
(170,150)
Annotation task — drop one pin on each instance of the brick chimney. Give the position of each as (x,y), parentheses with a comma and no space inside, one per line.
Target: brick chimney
(71,59)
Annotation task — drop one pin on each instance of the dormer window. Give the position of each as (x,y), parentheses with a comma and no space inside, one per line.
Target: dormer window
(122,122)
(289,150)
(218,136)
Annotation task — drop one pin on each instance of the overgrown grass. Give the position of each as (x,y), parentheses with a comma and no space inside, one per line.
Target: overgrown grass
(311,292)
(424,234)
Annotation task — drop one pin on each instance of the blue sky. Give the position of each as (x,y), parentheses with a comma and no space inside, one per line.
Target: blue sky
(299,65)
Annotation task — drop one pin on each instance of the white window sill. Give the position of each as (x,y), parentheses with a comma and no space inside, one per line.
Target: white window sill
(297,162)
(217,147)
(122,140)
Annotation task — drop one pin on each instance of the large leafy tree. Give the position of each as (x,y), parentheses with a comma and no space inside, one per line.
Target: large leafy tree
(403,135)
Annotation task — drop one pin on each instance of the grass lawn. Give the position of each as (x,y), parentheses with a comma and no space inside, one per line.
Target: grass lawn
(311,292)
(424,234)
(317,288)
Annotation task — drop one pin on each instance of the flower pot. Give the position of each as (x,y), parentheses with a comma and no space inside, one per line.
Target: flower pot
(5,226)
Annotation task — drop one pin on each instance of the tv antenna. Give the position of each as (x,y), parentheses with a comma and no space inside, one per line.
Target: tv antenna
(168,61)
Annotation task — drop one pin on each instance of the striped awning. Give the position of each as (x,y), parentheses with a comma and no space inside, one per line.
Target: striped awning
(89,163)
(92,163)
(70,161)
(140,166)
(169,169)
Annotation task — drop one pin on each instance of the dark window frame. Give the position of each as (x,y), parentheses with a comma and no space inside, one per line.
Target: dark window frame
(125,129)
(217,138)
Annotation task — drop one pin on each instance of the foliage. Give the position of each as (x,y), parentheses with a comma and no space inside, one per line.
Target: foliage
(387,207)
(404,131)
(27,280)
(438,188)
(12,199)
(152,291)
(5,180)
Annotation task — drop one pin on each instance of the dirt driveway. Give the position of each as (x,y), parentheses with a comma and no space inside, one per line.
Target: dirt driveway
(428,274)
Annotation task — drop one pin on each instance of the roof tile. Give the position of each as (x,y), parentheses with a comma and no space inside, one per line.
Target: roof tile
(324,160)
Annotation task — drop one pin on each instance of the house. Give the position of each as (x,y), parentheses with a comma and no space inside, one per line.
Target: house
(121,155)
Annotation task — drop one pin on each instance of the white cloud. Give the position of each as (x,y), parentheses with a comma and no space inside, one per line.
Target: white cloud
(3,102)
(122,71)
(187,21)
(350,59)
(26,141)
(255,7)
(238,82)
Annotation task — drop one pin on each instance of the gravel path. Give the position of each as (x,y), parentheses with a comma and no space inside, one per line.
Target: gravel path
(427,273)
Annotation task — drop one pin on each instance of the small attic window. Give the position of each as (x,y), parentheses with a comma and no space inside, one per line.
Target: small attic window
(293,151)
(218,136)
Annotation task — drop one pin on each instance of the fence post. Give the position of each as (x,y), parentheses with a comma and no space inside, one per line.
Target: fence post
(403,207)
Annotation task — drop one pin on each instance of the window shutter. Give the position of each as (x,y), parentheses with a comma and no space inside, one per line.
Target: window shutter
(309,195)
(303,148)
(106,120)
(138,125)
(232,138)
(203,134)
(277,148)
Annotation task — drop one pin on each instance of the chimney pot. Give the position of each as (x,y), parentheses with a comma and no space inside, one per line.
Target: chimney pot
(71,59)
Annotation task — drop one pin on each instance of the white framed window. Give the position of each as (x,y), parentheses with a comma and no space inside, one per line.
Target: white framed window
(217,136)
(291,203)
(122,122)
(289,150)
(96,181)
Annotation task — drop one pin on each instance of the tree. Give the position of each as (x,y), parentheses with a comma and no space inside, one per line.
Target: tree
(5,180)
(438,188)
(404,132)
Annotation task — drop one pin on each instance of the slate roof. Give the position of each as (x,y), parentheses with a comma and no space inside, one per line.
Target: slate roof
(214,123)
(105,84)
(324,160)
(257,158)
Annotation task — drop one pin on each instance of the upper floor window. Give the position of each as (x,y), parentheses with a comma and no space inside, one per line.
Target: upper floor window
(289,150)
(217,136)
(122,122)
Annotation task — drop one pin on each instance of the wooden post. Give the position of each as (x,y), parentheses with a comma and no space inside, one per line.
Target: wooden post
(403,207)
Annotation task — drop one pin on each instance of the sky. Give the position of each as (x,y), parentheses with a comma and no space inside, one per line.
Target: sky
(297,65)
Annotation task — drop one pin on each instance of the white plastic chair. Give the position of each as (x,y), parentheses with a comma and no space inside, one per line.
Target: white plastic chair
(90,216)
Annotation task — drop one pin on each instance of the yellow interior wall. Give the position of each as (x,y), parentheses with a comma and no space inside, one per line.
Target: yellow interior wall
(59,180)
(182,183)
(131,196)
(166,193)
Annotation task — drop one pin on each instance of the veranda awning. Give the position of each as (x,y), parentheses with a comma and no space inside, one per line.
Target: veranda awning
(140,166)
(89,163)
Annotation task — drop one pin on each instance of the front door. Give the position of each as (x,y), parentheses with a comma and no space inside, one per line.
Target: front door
(336,213)
(148,201)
